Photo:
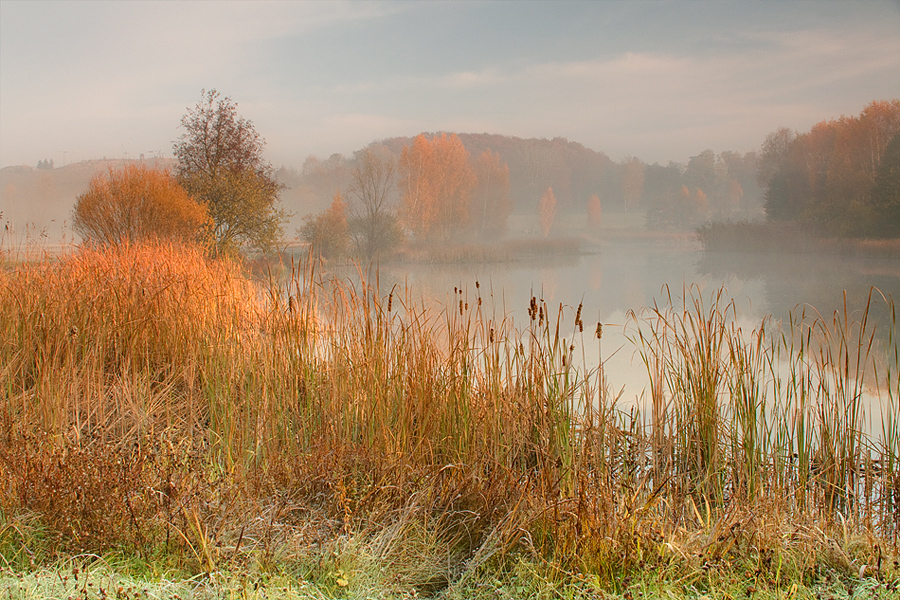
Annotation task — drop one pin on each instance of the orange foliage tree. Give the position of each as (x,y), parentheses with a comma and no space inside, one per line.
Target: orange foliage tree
(595,212)
(328,233)
(436,183)
(491,202)
(547,211)
(136,203)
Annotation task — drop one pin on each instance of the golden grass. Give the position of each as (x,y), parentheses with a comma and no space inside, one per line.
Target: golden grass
(160,404)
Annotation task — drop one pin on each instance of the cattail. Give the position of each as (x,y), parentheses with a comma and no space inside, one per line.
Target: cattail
(467,306)
(460,307)
(491,336)
(541,315)
(599,331)
(479,300)
(290,304)
(477,285)
(578,312)
(390,300)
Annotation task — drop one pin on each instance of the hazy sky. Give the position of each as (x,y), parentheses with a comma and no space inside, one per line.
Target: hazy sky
(656,80)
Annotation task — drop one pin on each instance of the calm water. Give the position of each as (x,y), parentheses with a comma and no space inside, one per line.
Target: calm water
(621,276)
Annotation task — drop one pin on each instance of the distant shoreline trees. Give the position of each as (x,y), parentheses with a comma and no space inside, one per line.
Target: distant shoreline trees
(830,177)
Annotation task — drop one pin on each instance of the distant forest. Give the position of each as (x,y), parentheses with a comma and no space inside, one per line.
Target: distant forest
(838,179)
(672,196)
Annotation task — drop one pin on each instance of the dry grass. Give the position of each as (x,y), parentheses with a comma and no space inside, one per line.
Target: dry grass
(158,404)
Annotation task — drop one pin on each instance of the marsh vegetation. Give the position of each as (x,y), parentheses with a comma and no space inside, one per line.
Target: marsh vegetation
(167,410)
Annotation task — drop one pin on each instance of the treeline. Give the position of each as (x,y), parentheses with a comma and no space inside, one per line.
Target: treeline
(496,177)
(841,178)
(434,191)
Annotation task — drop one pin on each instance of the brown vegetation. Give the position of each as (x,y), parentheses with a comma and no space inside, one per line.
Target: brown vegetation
(136,204)
(173,410)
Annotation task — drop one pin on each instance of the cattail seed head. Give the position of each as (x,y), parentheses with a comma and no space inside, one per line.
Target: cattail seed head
(599,331)
(390,300)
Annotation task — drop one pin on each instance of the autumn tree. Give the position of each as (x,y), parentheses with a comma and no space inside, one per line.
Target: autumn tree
(220,163)
(490,199)
(547,211)
(594,212)
(136,203)
(436,183)
(775,149)
(886,192)
(328,233)
(825,177)
(373,223)
(632,179)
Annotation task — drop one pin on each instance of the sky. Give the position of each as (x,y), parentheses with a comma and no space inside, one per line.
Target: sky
(659,80)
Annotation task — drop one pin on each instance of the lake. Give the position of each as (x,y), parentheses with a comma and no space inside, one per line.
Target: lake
(627,274)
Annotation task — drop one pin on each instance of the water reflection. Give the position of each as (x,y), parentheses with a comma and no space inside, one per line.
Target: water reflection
(634,275)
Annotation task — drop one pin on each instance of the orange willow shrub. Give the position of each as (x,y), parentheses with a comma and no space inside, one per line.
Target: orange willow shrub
(137,203)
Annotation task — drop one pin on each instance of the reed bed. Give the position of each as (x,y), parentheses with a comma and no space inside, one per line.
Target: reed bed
(160,405)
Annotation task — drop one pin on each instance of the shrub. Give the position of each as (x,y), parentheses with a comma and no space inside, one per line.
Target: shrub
(136,203)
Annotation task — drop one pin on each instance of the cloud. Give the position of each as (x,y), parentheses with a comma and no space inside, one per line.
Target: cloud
(729,99)
(108,73)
